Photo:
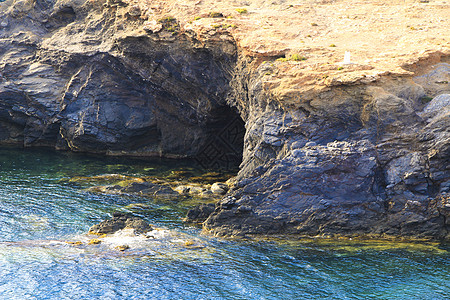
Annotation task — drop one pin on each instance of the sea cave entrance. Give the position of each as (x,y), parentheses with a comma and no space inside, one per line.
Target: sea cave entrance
(224,145)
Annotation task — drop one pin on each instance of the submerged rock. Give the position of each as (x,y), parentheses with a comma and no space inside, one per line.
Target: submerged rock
(121,221)
(158,191)
(200,213)
(327,148)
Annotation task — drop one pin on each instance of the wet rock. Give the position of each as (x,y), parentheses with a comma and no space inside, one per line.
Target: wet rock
(141,187)
(122,247)
(356,151)
(104,179)
(150,189)
(183,189)
(190,189)
(94,242)
(219,188)
(120,221)
(207,194)
(200,213)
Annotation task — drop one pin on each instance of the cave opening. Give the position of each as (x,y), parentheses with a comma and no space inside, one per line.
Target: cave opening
(223,147)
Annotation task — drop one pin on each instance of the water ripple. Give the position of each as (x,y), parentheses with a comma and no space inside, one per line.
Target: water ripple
(36,207)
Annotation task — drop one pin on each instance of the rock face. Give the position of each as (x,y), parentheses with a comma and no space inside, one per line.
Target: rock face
(328,148)
(358,159)
(70,78)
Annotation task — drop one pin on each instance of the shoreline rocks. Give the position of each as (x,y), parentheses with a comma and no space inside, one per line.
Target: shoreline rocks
(125,232)
(326,148)
(158,188)
(121,221)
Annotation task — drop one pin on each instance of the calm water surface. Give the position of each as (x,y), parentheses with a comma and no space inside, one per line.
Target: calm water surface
(38,204)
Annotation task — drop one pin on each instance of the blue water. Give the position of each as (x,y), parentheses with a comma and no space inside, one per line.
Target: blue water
(37,203)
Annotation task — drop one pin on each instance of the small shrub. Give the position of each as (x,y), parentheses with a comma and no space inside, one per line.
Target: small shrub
(216,14)
(241,10)
(314,24)
(169,23)
(293,57)
(341,68)
(297,57)
(167,20)
(332,45)
(224,26)
(197,18)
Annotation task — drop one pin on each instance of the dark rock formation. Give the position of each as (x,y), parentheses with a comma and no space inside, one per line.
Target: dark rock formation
(120,221)
(366,156)
(359,159)
(72,82)
(200,213)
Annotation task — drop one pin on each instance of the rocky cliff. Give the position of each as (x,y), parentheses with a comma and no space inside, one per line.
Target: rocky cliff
(361,147)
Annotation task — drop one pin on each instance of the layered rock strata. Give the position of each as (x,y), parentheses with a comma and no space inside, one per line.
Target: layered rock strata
(329,148)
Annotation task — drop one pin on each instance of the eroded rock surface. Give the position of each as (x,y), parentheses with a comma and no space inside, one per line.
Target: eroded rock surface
(121,221)
(372,158)
(329,148)
(76,75)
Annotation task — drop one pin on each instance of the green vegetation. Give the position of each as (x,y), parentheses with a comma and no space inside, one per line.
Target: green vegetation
(425,99)
(332,45)
(197,18)
(297,57)
(341,68)
(293,57)
(169,23)
(224,26)
(314,24)
(215,15)
(168,19)
(241,10)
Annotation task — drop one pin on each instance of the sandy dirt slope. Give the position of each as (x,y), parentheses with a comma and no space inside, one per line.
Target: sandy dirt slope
(382,36)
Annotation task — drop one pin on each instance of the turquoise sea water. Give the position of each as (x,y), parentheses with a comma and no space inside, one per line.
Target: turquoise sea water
(39,205)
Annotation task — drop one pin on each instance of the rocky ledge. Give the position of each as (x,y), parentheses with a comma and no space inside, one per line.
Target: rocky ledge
(329,146)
